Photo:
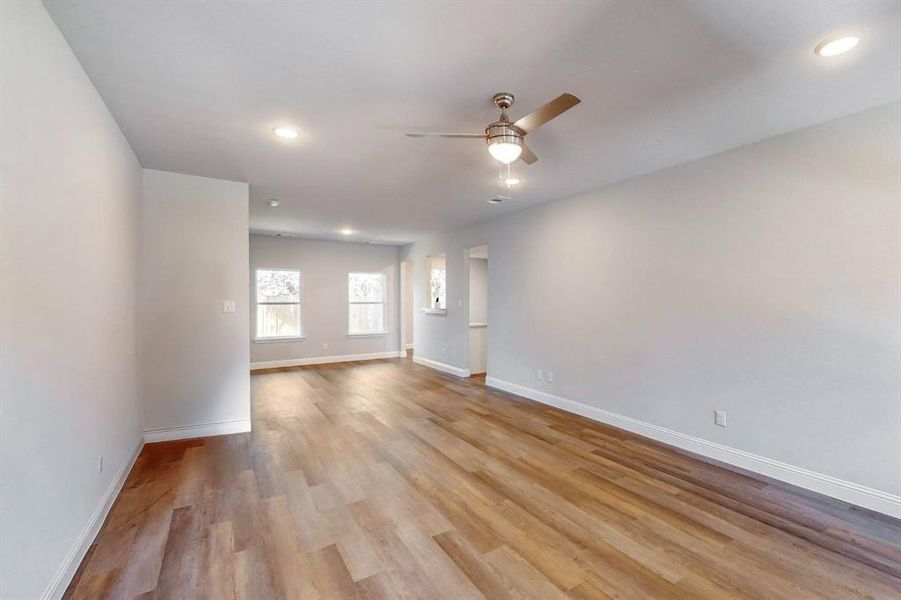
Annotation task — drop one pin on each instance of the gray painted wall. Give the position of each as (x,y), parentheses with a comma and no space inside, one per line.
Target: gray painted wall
(325,266)
(765,281)
(194,358)
(68,247)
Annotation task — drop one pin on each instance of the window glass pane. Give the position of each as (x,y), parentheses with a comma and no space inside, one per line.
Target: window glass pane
(278,320)
(438,288)
(278,286)
(365,287)
(366,318)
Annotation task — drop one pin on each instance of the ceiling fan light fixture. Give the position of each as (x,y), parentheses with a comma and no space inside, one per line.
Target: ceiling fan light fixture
(505,152)
(504,140)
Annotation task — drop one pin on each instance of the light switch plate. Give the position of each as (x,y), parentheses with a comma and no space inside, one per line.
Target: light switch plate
(228,306)
(719,417)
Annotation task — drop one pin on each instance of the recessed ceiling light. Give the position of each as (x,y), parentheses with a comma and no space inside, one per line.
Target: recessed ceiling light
(511,181)
(287,133)
(346,231)
(836,46)
(274,203)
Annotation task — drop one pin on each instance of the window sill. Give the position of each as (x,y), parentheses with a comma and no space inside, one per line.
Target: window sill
(367,335)
(435,311)
(278,339)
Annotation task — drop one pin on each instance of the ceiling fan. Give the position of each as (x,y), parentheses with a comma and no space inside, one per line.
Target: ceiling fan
(505,138)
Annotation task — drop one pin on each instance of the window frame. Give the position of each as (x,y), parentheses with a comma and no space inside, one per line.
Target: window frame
(256,303)
(384,304)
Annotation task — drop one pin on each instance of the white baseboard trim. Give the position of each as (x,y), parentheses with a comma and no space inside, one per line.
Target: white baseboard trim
(66,570)
(167,434)
(440,366)
(322,360)
(847,491)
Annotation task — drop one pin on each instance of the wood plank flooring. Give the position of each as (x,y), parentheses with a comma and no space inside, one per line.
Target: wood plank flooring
(386,479)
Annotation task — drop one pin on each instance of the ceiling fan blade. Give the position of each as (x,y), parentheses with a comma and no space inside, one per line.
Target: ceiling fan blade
(542,115)
(447,135)
(527,156)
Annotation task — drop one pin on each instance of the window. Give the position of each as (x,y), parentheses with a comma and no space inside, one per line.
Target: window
(437,282)
(278,304)
(366,304)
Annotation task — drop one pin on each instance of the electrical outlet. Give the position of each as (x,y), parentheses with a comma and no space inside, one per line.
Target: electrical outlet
(550,377)
(228,306)
(444,350)
(100,464)
(538,374)
(324,346)
(719,417)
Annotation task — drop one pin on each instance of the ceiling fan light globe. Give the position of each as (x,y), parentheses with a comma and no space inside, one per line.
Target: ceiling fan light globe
(505,152)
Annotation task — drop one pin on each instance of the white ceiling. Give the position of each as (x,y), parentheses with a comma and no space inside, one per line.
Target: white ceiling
(197,87)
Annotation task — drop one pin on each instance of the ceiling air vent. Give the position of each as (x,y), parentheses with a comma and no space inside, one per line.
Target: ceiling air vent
(498,199)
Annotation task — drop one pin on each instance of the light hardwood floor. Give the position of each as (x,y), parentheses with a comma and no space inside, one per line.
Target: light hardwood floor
(386,479)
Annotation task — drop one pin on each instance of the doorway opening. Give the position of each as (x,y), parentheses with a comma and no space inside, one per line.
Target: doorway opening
(406,308)
(477,258)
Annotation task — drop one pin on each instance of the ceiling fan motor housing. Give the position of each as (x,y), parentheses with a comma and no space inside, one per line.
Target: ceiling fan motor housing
(504,132)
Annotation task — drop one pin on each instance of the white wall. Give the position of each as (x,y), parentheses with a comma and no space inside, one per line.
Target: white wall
(409,305)
(194,254)
(68,245)
(478,315)
(478,290)
(765,281)
(478,349)
(325,266)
